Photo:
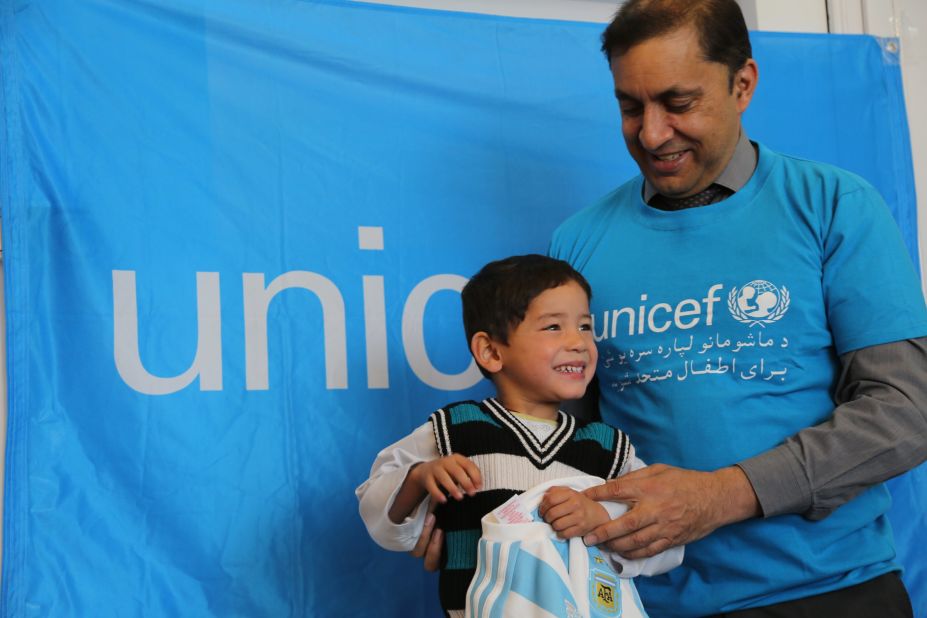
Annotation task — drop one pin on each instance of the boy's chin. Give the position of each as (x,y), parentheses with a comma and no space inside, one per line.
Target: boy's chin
(573,395)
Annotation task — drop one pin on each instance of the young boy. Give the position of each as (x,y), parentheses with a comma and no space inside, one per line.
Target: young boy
(528,324)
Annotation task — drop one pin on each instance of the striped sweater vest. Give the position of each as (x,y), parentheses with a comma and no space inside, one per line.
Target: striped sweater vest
(511,460)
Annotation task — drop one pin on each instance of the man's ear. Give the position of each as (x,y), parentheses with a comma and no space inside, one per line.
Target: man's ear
(745,80)
(486,351)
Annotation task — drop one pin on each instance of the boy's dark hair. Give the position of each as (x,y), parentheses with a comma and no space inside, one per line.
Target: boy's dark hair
(720,24)
(496,298)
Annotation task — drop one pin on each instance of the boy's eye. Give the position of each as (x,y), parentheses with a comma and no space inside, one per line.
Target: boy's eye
(585,327)
(552,327)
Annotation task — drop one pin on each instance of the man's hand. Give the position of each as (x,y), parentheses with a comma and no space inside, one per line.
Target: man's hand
(571,513)
(670,506)
(429,544)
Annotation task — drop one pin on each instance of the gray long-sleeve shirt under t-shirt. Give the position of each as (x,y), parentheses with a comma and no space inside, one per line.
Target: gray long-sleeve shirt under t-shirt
(879,426)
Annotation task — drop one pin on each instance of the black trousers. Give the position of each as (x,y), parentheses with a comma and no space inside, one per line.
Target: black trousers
(882,597)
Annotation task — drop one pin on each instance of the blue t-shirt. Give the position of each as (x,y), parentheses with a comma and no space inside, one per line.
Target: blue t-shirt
(719,330)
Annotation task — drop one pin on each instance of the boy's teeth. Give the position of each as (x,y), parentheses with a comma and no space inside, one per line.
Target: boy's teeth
(569,369)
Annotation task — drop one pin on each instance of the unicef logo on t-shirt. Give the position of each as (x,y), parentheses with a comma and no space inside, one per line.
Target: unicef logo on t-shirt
(758,302)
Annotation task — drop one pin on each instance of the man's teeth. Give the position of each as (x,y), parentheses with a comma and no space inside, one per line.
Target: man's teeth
(669,157)
(569,369)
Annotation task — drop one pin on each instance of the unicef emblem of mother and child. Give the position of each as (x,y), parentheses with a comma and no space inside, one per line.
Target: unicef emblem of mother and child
(758,302)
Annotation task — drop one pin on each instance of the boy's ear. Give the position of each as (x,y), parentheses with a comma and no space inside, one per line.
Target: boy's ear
(486,351)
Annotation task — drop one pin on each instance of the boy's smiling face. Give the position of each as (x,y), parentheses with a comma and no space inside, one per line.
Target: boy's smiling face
(550,356)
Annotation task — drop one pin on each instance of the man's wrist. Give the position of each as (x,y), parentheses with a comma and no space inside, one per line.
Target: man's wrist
(738,500)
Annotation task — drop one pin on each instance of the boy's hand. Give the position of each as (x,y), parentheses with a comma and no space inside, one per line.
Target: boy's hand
(571,513)
(453,476)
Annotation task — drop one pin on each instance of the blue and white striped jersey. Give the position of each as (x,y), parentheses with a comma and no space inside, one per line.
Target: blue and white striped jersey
(525,571)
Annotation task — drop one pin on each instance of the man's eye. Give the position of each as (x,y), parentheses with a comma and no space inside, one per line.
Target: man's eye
(630,110)
(677,106)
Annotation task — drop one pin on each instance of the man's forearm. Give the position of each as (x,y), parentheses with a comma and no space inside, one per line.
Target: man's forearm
(878,431)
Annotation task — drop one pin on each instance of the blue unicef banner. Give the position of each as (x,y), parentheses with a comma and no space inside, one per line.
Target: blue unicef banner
(234,234)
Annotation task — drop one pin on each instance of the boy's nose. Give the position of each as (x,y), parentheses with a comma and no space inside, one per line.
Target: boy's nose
(577,341)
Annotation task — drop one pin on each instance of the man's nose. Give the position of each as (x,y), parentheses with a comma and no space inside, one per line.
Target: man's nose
(655,128)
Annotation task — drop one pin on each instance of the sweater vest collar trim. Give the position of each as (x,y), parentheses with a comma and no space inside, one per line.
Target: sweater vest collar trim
(539,452)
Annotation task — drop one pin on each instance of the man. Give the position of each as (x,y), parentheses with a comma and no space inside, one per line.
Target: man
(760,328)
(740,294)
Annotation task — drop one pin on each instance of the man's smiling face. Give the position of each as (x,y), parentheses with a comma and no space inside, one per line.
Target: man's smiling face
(680,117)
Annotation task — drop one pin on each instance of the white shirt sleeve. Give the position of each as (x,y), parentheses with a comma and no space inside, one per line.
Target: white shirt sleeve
(377,493)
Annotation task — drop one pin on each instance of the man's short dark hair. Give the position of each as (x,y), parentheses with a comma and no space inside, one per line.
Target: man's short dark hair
(720,24)
(496,299)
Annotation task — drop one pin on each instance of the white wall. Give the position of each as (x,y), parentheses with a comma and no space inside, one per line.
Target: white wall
(910,20)
(783,15)
(574,10)
(907,21)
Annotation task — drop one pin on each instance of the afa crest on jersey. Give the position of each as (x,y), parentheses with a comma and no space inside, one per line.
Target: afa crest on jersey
(605,595)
